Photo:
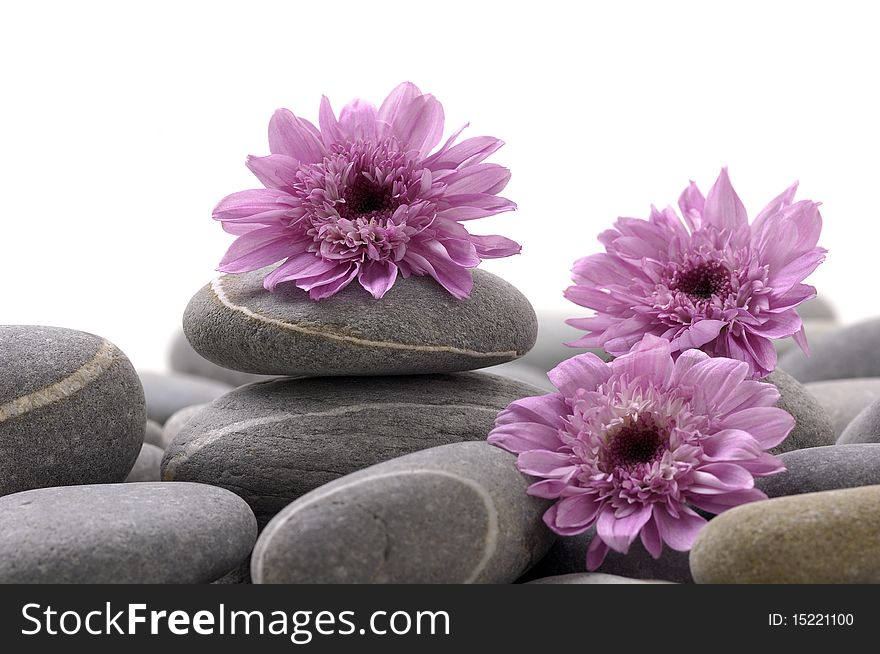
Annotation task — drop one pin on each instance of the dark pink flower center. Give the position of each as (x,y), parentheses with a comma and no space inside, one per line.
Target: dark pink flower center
(637,441)
(703,280)
(364,198)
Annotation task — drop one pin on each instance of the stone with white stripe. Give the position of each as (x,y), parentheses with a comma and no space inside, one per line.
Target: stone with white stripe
(71,409)
(418,327)
(458,513)
(272,442)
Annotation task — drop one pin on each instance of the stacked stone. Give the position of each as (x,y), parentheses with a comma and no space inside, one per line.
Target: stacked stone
(72,425)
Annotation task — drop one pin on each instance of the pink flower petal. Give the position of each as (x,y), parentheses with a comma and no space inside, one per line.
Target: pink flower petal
(691,202)
(245,204)
(723,207)
(577,512)
(542,463)
(619,533)
(396,102)
(584,371)
(295,138)
(543,409)
(596,553)
(274,171)
(330,132)
(259,248)
(357,121)
(419,125)
(524,437)
(769,425)
(681,532)
(377,277)
(493,247)
(698,334)
(483,178)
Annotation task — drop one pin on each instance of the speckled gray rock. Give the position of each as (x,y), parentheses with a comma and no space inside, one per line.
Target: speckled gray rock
(168,394)
(417,327)
(553,333)
(812,426)
(452,514)
(816,538)
(183,358)
(71,409)
(274,441)
(824,468)
(844,399)
(864,428)
(569,555)
(848,352)
(153,434)
(590,578)
(148,464)
(176,422)
(123,533)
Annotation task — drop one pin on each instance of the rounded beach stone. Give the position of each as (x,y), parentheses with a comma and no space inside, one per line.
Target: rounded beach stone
(183,358)
(153,433)
(176,422)
(816,538)
(579,578)
(525,373)
(812,426)
(71,409)
(824,468)
(844,399)
(845,353)
(569,555)
(815,328)
(167,394)
(123,533)
(417,327)
(452,514)
(148,464)
(864,428)
(274,441)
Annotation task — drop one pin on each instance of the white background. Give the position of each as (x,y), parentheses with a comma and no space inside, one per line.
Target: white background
(121,125)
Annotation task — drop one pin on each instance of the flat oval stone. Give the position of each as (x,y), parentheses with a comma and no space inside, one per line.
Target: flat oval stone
(589,578)
(523,372)
(148,464)
(815,538)
(168,393)
(183,358)
(824,468)
(176,422)
(864,428)
(812,426)
(123,533)
(71,409)
(417,327)
(568,555)
(274,441)
(844,399)
(848,352)
(452,514)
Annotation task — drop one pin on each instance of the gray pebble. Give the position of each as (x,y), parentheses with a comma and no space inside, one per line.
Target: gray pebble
(589,578)
(183,358)
(815,329)
(148,465)
(452,514)
(812,426)
(123,533)
(523,372)
(176,422)
(844,399)
(168,393)
(845,353)
(71,409)
(274,441)
(417,327)
(153,433)
(824,468)
(864,428)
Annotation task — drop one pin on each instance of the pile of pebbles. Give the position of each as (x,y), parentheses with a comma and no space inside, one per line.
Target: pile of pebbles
(343,441)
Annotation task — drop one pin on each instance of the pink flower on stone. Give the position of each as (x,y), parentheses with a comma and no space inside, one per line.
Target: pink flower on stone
(364,197)
(712,282)
(633,446)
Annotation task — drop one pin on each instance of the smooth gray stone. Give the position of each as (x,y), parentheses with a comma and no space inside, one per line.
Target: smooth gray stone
(864,428)
(584,578)
(824,468)
(815,538)
(71,409)
(183,358)
(452,514)
(123,533)
(817,308)
(272,442)
(176,422)
(815,328)
(845,353)
(812,427)
(241,575)
(550,348)
(153,434)
(569,555)
(844,399)
(148,465)
(418,327)
(167,394)
(525,373)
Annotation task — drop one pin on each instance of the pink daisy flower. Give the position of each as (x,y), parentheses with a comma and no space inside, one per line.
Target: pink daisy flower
(711,282)
(363,197)
(635,445)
